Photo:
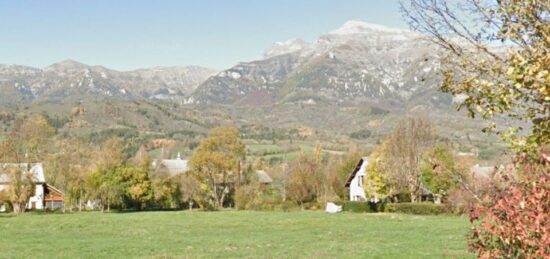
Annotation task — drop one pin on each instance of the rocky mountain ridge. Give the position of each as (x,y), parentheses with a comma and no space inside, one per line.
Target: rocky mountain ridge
(73,80)
(357,63)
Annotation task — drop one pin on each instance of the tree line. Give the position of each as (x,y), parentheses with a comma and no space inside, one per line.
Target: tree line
(103,176)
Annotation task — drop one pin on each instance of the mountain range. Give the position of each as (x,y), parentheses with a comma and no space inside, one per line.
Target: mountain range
(360,77)
(354,64)
(71,80)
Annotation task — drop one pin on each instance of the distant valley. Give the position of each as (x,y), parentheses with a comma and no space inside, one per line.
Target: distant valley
(349,87)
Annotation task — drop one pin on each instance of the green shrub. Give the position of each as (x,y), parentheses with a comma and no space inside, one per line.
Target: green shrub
(378,207)
(253,197)
(356,206)
(362,206)
(426,208)
(361,134)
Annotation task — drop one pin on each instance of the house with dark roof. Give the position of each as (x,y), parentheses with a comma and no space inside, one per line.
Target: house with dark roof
(356,180)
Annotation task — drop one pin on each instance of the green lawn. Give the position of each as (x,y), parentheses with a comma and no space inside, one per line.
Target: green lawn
(232,234)
(279,150)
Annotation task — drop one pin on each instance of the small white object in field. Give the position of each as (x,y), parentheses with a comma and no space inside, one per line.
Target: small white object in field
(333,208)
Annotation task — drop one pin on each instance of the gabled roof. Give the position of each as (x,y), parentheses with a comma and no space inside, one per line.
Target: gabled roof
(53,189)
(173,166)
(263,177)
(357,168)
(36,170)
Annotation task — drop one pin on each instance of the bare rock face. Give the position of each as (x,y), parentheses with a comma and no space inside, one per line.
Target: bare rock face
(357,63)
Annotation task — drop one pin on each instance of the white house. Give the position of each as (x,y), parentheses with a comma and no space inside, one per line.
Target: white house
(45,195)
(356,180)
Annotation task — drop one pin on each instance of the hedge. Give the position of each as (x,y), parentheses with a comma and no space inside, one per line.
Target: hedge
(425,208)
(361,206)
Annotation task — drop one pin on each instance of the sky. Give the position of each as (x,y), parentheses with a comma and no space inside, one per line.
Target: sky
(126,35)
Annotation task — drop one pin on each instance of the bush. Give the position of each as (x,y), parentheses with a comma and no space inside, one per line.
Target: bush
(361,134)
(356,206)
(379,206)
(252,197)
(516,223)
(416,208)
(362,206)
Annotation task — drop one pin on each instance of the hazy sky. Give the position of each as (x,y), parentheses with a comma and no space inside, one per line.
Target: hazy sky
(124,34)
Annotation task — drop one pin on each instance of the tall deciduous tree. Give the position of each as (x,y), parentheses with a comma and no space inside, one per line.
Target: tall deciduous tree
(20,188)
(305,182)
(215,162)
(102,184)
(403,151)
(136,185)
(496,57)
(439,172)
(376,185)
(68,168)
(26,143)
(190,191)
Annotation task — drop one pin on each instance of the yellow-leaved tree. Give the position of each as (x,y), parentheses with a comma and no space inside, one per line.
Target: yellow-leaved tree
(216,163)
(376,186)
(26,143)
(494,56)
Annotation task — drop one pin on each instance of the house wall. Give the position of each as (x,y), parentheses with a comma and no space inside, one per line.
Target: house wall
(356,190)
(3,207)
(38,198)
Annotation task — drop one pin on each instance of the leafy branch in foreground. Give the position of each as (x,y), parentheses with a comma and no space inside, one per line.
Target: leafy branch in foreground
(495,56)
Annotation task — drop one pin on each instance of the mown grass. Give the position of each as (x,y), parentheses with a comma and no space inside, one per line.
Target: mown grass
(232,234)
(278,151)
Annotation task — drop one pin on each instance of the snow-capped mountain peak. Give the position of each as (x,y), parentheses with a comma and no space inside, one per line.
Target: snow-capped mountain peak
(360,27)
(284,47)
(357,62)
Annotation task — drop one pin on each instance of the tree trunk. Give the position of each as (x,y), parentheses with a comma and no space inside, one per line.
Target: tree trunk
(17,208)
(413,188)
(80,201)
(216,199)
(222,199)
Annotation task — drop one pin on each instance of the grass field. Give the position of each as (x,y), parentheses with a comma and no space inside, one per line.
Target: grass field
(232,234)
(280,152)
